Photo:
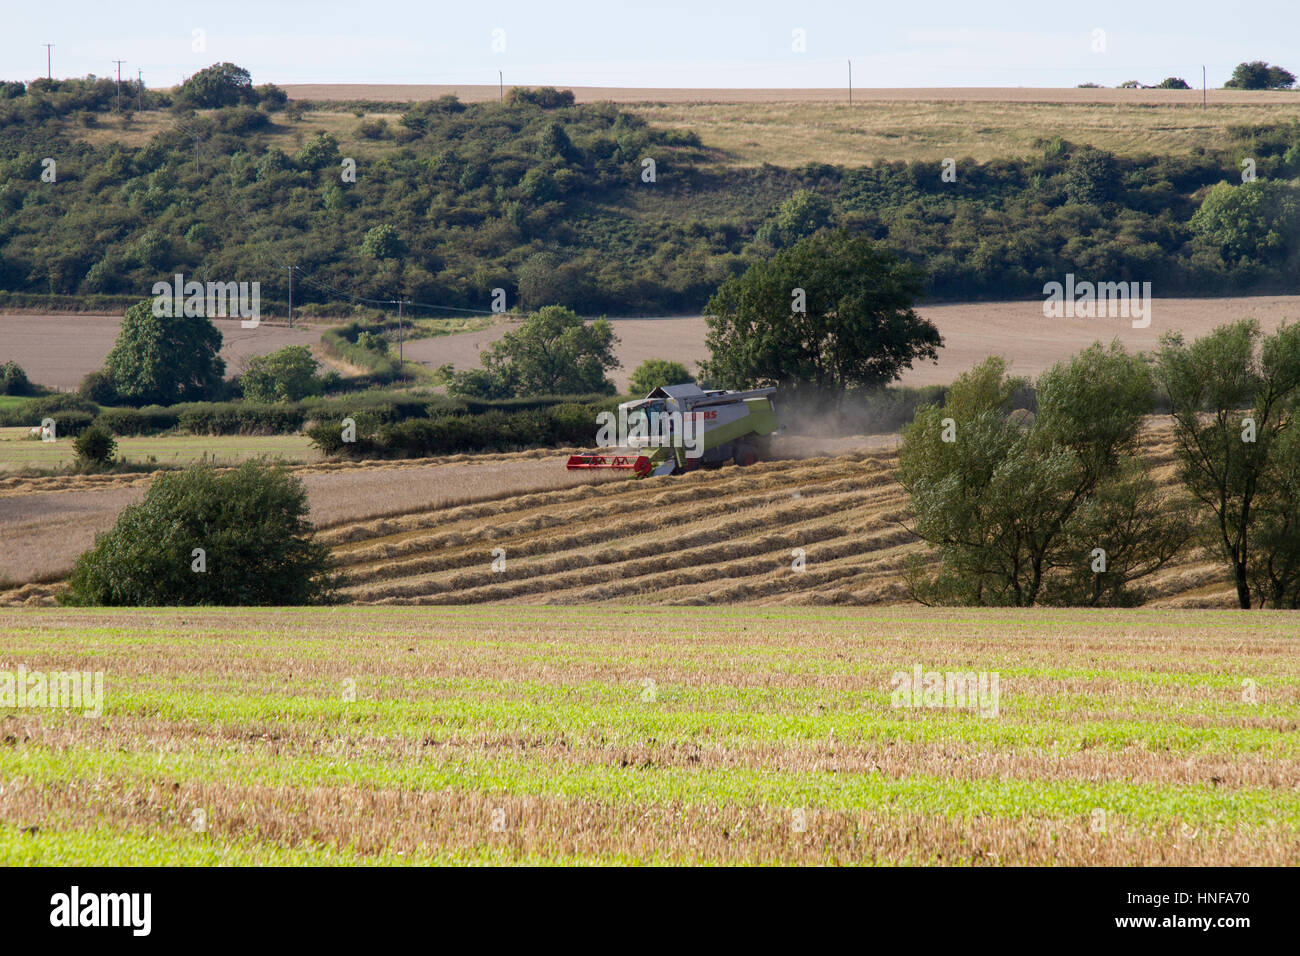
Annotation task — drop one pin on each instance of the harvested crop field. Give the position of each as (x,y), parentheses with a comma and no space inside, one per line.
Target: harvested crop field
(470,93)
(792,127)
(711,537)
(58,350)
(642,735)
(520,528)
(47,522)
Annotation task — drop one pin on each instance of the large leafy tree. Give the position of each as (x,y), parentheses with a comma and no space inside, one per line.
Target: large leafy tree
(554,352)
(320,151)
(858,327)
(222,84)
(286,375)
(1256,221)
(250,525)
(161,360)
(803,214)
(1052,508)
(654,373)
(1258,75)
(1234,395)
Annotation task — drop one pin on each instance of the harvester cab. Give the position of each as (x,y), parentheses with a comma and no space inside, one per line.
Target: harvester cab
(682,427)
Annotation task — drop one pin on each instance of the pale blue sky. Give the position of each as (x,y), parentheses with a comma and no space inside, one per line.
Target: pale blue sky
(655,43)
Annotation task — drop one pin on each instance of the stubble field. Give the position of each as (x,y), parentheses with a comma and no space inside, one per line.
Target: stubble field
(638,735)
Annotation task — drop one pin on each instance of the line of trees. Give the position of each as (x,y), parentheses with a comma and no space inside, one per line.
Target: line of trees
(1057,507)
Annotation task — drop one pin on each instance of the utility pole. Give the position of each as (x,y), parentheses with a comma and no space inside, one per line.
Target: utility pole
(501,87)
(1202,87)
(400,342)
(139,76)
(49,59)
(290,268)
(119,84)
(850,82)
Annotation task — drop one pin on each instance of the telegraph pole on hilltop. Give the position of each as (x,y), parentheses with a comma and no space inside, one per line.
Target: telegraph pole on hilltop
(139,105)
(119,84)
(1202,87)
(501,87)
(49,59)
(850,82)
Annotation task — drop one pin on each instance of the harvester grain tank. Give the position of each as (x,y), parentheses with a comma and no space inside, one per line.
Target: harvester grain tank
(722,426)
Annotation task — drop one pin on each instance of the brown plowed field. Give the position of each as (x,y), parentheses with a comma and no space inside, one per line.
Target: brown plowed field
(58,350)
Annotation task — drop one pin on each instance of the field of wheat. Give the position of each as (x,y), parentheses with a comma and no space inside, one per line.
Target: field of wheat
(824,530)
(641,734)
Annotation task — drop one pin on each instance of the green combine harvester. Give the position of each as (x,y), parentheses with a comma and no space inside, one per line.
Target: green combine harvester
(683,427)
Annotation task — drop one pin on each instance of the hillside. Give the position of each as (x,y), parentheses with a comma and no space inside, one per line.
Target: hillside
(548,202)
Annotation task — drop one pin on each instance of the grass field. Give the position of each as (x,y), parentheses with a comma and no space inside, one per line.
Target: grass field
(634,735)
(785,134)
(18,452)
(794,127)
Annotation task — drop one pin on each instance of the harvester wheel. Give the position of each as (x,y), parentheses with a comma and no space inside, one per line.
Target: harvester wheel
(746,455)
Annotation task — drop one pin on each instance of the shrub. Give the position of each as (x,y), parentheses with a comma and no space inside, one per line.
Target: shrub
(149,420)
(13,380)
(454,432)
(239,418)
(66,424)
(61,407)
(343,343)
(250,524)
(97,387)
(547,97)
(318,152)
(95,445)
(285,375)
(654,373)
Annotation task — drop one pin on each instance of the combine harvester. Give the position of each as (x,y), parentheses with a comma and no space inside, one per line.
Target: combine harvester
(685,426)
